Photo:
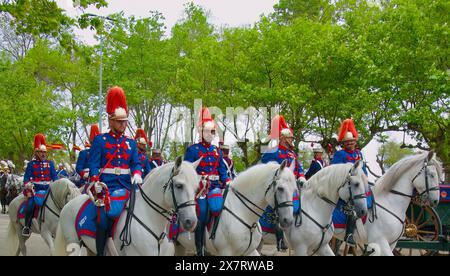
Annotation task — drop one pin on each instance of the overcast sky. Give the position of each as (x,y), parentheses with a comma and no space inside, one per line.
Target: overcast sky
(233,13)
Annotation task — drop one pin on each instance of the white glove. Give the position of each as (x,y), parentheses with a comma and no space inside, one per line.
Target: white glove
(137,179)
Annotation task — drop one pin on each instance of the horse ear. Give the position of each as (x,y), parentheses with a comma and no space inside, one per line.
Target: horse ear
(196,163)
(430,155)
(355,167)
(282,166)
(178,162)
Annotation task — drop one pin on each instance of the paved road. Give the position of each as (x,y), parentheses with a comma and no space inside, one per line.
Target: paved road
(35,244)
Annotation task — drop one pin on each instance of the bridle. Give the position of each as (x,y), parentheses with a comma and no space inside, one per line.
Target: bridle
(169,215)
(252,206)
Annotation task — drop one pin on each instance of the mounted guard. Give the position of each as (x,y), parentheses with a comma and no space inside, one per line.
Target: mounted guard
(142,142)
(38,175)
(114,166)
(280,131)
(213,172)
(82,166)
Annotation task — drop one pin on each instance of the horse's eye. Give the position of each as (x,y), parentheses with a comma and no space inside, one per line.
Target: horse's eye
(356,184)
(179,186)
(280,189)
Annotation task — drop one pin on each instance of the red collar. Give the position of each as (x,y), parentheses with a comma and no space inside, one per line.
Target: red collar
(349,151)
(281,147)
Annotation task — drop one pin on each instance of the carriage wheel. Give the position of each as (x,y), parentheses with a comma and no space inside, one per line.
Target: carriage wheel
(422,224)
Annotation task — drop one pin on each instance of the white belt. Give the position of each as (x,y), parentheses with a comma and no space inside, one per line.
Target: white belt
(41,182)
(211,177)
(86,170)
(116,171)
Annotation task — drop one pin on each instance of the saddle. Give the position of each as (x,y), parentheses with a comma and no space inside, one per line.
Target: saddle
(90,216)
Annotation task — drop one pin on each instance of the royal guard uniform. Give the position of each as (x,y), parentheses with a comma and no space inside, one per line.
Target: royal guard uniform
(82,166)
(38,175)
(348,133)
(228,161)
(317,163)
(142,141)
(156,160)
(280,130)
(213,172)
(62,173)
(113,160)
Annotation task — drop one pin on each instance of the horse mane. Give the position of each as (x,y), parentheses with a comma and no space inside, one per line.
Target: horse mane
(335,174)
(259,173)
(61,188)
(391,177)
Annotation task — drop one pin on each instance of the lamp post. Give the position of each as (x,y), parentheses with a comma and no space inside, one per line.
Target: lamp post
(100,98)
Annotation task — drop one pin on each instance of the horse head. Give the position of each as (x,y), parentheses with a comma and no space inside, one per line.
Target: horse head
(279,194)
(427,179)
(180,191)
(353,191)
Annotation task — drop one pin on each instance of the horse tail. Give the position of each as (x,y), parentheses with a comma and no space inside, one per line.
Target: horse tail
(13,240)
(60,243)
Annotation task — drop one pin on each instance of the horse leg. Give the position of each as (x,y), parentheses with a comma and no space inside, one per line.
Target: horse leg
(22,246)
(47,236)
(300,250)
(254,253)
(385,248)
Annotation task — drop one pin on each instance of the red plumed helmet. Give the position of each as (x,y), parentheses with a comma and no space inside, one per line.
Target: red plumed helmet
(347,131)
(279,128)
(141,137)
(39,142)
(116,104)
(94,132)
(205,120)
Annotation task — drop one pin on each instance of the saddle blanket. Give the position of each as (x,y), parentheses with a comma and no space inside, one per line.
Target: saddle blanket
(340,218)
(267,222)
(33,202)
(89,215)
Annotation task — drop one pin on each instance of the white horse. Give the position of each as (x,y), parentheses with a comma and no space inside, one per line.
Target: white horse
(393,193)
(170,187)
(59,194)
(238,232)
(318,199)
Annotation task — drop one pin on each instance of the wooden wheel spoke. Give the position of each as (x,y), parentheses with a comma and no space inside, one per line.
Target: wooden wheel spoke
(425,223)
(420,217)
(426,232)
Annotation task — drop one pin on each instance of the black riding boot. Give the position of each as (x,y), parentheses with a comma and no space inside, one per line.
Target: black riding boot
(281,245)
(26,231)
(100,241)
(200,238)
(351,225)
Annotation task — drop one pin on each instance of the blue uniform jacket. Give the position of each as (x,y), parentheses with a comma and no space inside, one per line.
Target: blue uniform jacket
(345,156)
(316,165)
(211,164)
(114,170)
(145,163)
(279,155)
(40,173)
